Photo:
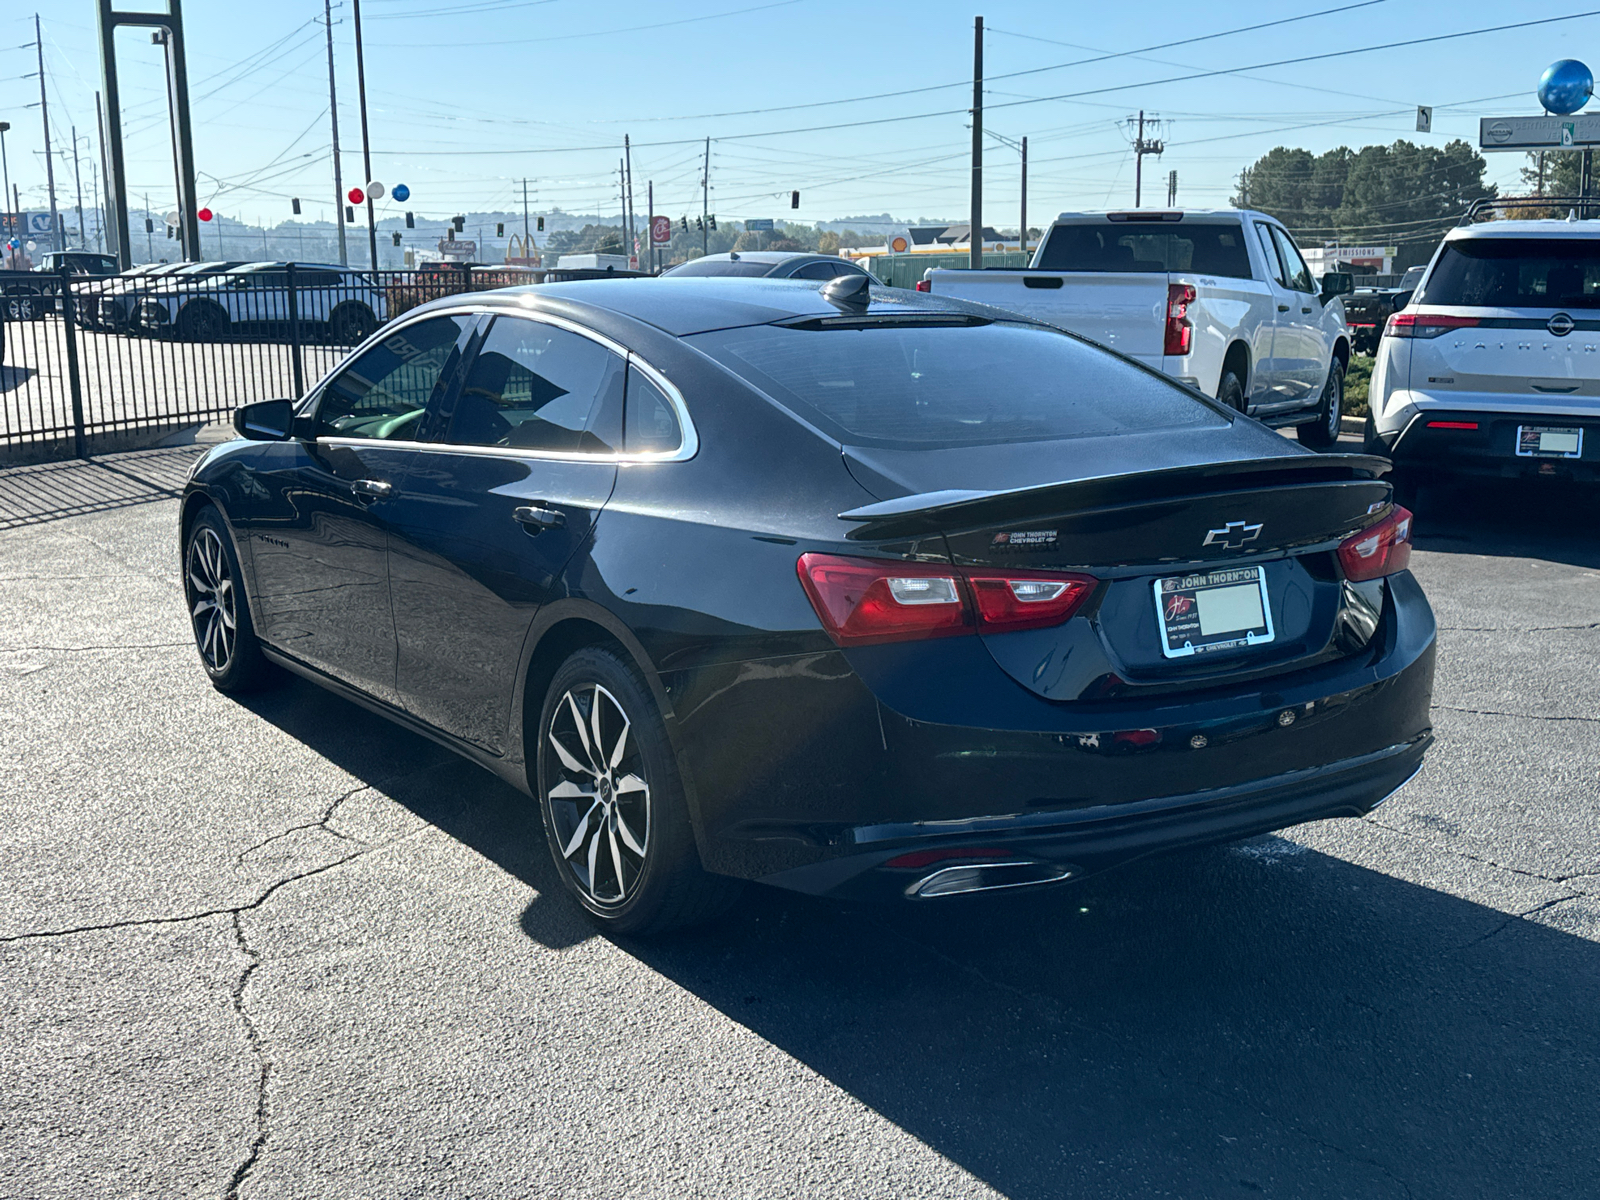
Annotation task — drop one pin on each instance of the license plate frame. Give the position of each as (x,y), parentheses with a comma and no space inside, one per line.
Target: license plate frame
(1181,631)
(1530,441)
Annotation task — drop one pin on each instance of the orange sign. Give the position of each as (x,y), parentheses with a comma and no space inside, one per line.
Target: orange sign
(898,245)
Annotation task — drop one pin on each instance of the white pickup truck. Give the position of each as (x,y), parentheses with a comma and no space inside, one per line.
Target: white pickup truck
(1220,299)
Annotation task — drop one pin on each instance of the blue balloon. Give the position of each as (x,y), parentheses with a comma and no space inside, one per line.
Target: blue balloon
(400,192)
(1565,86)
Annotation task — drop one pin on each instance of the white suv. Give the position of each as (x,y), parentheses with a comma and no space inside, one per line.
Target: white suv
(1493,368)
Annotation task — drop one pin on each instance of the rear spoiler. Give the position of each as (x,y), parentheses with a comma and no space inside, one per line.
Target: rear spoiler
(930,512)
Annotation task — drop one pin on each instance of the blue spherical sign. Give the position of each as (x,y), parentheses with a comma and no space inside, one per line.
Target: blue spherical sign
(400,192)
(1565,86)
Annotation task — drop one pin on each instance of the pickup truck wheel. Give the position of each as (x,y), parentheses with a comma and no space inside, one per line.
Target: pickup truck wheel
(202,321)
(1324,431)
(352,323)
(1230,389)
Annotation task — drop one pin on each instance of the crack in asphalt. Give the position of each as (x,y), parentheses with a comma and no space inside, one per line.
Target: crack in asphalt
(1490,712)
(228,911)
(1488,862)
(320,823)
(263,1063)
(1515,917)
(78,649)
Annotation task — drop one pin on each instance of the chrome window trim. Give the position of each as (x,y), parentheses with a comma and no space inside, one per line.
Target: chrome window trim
(688,446)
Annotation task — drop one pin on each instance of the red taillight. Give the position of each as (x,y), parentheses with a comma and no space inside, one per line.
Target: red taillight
(1380,549)
(924,285)
(1018,602)
(861,601)
(1424,325)
(1179,328)
(1452,424)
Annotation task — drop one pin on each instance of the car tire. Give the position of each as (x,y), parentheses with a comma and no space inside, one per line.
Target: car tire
(1324,431)
(23,308)
(219,610)
(351,324)
(202,321)
(1230,390)
(613,805)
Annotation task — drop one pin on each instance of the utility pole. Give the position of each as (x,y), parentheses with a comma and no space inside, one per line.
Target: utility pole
(105,169)
(705,204)
(333,113)
(633,233)
(186,245)
(366,148)
(1142,147)
(77,176)
(1024,238)
(5,166)
(49,159)
(622,200)
(527,237)
(976,248)
(650,223)
(99,213)
(1172,189)
(149,238)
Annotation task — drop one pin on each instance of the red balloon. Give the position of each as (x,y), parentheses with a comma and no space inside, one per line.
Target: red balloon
(204,214)
(357,195)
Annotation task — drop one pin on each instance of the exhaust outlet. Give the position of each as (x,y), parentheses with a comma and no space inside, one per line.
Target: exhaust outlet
(988,877)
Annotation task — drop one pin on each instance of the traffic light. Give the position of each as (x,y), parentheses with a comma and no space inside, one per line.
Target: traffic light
(700,223)
(411,221)
(450,234)
(296,205)
(349,215)
(396,236)
(685,221)
(713,221)
(541,224)
(149,225)
(170,233)
(794,199)
(499,229)
(459,222)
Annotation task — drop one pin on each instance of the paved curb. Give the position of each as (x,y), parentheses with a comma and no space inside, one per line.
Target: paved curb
(1355,425)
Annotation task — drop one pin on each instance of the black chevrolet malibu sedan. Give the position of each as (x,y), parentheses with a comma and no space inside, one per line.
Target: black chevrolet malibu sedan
(849,590)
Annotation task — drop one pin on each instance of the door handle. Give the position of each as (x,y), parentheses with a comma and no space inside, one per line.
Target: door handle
(378,489)
(1283,308)
(1305,310)
(536,518)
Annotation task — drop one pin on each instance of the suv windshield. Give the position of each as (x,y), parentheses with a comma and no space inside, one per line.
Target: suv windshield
(1216,249)
(1516,272)
(904,387)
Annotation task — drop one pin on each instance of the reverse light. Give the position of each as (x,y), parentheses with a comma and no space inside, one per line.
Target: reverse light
(1180,330)
(1424,325)
(1380,549)
(863,601)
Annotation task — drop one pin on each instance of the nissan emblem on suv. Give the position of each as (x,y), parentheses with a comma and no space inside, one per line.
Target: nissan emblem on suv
(1561,325)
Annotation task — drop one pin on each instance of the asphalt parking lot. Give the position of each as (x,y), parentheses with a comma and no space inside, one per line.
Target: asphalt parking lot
(282,948)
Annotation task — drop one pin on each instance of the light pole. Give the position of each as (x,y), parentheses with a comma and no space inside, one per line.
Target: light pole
(4,127)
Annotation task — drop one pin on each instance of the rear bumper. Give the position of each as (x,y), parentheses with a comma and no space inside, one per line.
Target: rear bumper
(1434,441)
(813,772)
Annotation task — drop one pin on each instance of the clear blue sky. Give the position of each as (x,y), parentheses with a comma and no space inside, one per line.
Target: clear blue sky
(467,97)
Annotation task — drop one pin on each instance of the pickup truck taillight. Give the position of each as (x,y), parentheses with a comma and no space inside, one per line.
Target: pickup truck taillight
(1179,329)
(924,285)
(1424,325)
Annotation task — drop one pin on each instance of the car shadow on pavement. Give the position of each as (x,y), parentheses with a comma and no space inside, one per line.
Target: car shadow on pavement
(1510,518)
(1257,1019)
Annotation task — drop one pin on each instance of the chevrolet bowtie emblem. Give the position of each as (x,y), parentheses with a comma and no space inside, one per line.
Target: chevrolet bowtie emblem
(1233,535)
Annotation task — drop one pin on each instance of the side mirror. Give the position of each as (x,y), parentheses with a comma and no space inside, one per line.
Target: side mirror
(265,420)
(1337,283)
(1401,299)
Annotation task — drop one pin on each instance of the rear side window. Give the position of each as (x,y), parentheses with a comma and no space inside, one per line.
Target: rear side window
(920,388)
(534,387)
(651,424)
(1216,249)
(1516,273)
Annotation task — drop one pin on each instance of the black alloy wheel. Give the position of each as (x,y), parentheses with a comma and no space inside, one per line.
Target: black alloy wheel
(1324,431)
(613,805)
(218,611)
(351,324)
(23,308)
(1230,390)
(202,321)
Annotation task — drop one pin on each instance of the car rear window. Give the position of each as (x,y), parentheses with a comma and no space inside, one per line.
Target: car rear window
(720,266)
(1216,249)
(1503,272)
(909,387)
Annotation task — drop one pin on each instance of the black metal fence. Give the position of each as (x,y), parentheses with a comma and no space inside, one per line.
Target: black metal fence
(100,362)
